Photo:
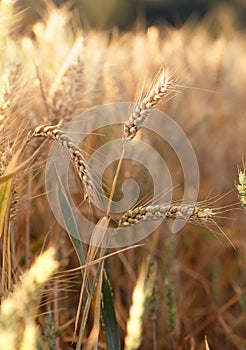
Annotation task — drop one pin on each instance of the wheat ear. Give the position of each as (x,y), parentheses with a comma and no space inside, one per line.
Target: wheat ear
(17,310)
(52,132)
(66,92)
(158,212)
(140,297)
(142,109)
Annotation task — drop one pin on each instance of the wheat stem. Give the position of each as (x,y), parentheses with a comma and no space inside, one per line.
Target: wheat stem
(115,180)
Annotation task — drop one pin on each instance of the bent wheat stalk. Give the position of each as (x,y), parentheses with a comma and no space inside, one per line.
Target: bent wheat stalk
(142,109)
(54,133)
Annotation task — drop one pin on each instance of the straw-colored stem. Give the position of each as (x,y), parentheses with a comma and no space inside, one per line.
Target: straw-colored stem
(116,176)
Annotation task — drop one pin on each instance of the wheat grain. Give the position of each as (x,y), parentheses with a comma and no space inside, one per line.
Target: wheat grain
(52,132)
(142,109)
(158,212)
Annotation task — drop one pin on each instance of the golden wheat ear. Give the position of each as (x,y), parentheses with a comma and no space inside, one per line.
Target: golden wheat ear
(140,298)
(142,110)
(17,310)
(241,187)
(83,170)
(169,212)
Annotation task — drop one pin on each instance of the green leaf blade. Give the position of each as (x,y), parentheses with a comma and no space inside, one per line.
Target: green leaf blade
(108,316)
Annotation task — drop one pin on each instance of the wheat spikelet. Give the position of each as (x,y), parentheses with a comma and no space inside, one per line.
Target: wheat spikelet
(14,204)
(94,91)
(153,298)
(52,132)
(142,110)
(5,157)
(9,84)
(64,70)
(49,336)
(241,187)
(64,95)
(158,212)
(170,306)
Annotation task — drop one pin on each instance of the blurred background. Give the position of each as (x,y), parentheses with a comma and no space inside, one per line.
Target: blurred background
(50,73)
(123,13)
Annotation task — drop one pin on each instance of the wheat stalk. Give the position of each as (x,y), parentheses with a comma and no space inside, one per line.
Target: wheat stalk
(52,132)
(158,212)
(142,109)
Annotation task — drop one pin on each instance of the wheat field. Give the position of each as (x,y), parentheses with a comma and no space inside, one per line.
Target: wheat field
(166,291)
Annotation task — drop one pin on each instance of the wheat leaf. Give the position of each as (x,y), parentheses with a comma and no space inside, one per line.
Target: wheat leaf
(108,315)
(71,226)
